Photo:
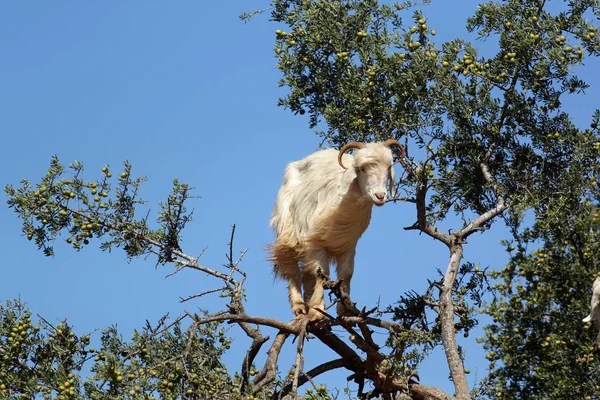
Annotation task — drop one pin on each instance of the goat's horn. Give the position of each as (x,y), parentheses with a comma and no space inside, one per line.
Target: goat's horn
(346,147)
(394,142)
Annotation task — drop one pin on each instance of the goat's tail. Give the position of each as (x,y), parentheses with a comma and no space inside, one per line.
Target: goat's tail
(284,258)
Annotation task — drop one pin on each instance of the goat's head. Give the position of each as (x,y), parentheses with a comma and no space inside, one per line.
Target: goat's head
(374,167)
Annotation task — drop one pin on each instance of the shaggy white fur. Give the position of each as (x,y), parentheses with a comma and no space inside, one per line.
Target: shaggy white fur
(595,312)
(322,209)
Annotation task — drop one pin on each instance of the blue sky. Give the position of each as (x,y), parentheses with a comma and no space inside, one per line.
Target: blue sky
(186,91)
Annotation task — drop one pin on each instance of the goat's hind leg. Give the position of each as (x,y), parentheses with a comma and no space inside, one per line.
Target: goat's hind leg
(292,274)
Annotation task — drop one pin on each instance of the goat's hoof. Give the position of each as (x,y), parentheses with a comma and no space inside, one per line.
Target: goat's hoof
(315,314)
(299,309)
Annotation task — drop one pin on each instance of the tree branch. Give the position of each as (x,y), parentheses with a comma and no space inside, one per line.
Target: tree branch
(478,222)
(269,371)
(257,341)
(422,224)
(273,323)
(313,373)
(457,370)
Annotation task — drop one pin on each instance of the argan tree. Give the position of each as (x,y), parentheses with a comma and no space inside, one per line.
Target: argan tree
(487,141)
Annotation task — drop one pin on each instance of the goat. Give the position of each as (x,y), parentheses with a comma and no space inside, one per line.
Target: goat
(321,211)
(595,312)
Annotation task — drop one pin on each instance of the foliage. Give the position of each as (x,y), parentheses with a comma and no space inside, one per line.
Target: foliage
(166,361)
(87,209)
(544,294)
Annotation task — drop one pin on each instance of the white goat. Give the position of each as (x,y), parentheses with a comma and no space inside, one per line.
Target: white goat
(322,209)
(595,313)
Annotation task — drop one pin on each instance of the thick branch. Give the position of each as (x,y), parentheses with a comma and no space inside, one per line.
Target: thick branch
(316,371)
(273,323)
(422,224)
(269,371)
(358,320)
(354,363)
(257,341)
(455,363)
(351,360)
(299,365)
(422,392)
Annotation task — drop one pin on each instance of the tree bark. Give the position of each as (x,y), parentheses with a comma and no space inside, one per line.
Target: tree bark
(457,370)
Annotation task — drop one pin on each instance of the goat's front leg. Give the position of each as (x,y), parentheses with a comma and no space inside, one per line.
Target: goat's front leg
(314,295)
(345,270)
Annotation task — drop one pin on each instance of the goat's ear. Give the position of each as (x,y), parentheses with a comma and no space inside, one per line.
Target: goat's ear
(392,181)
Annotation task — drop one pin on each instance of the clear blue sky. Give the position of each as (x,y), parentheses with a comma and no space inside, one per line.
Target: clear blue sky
(185,89)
